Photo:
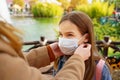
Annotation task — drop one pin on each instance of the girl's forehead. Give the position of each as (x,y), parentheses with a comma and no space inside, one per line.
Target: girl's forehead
(68,26)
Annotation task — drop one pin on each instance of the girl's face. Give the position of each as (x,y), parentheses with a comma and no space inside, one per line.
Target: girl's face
(69,30)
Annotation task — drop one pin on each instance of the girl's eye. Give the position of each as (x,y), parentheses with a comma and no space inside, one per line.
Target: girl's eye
(69,35)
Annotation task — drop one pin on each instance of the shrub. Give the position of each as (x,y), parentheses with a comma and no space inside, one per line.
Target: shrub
(97,9)
(106,30)
(46,10)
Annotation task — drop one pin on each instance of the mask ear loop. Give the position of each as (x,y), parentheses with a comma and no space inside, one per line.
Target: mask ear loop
(82,39)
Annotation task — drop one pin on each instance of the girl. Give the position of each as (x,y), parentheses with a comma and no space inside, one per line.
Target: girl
(76,28)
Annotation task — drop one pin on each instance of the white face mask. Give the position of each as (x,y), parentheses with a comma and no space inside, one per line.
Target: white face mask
(68,46)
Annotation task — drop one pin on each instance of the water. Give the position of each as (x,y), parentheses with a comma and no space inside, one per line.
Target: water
(33,28)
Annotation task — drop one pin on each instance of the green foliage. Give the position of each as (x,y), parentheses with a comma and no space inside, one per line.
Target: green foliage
(106,30)
(97,9)
(46,10)
(117,54)
(19,2)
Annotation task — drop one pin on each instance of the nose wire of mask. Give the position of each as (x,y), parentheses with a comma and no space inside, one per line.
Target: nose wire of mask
(68,46)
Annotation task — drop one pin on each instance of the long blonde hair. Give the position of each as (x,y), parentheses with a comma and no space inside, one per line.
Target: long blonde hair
(11,36)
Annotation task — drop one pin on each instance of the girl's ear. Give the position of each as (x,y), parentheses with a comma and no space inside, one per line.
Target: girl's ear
(86,37)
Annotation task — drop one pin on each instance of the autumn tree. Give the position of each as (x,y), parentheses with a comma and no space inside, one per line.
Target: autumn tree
(19,2)
(74,3)
(71,3)
(64,3)
(32,2)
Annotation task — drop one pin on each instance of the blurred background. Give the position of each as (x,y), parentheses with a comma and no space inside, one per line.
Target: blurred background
(40,18)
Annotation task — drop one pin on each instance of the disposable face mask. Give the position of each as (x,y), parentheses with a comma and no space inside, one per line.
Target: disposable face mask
(68,46)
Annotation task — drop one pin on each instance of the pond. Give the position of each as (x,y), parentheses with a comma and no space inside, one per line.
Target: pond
(33,28)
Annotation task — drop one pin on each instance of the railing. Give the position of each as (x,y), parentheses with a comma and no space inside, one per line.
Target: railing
(106,44)
(39,43)
(102,46)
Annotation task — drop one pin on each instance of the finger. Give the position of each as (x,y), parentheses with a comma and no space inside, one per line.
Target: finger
(88,46)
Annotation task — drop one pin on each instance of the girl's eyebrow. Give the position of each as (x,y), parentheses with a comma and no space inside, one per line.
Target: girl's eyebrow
(69,32)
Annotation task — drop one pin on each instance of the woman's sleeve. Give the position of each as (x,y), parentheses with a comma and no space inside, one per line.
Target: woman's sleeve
(15,68)
(38,57)
(106,73)
(73,69)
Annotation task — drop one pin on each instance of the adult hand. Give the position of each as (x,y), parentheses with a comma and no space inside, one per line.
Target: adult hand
(56,50)
(84,50)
